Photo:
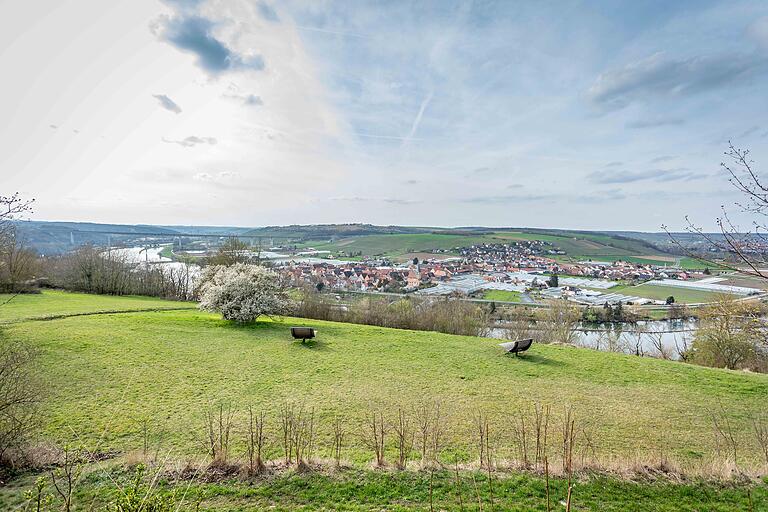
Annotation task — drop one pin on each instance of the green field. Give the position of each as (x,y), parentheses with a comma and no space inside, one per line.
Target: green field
(577,245)
(681,295)
(106,375)
(501,295)
(358,490)
(54,303)
(167,252)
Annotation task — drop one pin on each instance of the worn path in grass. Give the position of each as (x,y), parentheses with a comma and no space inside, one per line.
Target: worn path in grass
(104,374)
(55,303)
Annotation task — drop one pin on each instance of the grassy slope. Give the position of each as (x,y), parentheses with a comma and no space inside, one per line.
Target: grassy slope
(577,246)
(105,373)
(54,302)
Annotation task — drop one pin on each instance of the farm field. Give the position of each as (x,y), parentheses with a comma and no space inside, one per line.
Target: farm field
(105,374)
(502,295)
(578,246)
(681,295)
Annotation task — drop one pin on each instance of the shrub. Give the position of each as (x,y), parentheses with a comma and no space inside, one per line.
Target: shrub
(242,292)
(731,335)
(451,316)
(18,399)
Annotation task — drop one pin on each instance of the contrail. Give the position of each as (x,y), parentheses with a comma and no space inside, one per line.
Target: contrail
(417,120)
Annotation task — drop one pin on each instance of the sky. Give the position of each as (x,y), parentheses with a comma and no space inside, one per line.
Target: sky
(609,115)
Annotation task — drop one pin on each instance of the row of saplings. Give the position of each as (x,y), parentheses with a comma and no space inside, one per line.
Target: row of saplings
(398,440)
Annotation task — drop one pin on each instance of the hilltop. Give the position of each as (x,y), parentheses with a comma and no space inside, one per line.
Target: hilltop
(57,237)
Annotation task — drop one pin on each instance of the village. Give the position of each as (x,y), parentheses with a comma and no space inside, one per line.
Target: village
(528,269)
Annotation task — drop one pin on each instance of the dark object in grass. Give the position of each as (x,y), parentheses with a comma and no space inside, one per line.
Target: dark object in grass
(515,347)
(303,333)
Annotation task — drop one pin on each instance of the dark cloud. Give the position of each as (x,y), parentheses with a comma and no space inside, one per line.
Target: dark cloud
(412,182)
(515,185)
(167,103)
(614,164)
(267,11)
(191,141)
(657,175)
(659,75)
(194,34)
(656,122)
(664,158)
(53,126)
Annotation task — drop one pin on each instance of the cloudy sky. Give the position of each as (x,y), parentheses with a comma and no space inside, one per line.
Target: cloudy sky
(591,115)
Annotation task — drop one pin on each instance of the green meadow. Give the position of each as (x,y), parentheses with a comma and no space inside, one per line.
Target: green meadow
(104,374)
(137,363)
(501,295)
(577,246)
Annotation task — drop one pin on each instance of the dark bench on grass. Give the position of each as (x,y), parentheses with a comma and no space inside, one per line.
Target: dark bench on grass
(515,347)
(303,333)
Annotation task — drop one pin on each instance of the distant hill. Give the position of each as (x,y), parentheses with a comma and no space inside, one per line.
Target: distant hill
(319,231)
(58,237)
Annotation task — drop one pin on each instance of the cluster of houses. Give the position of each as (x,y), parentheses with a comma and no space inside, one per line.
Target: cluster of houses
(518,266)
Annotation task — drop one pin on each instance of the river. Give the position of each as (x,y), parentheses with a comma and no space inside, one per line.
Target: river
(644,337)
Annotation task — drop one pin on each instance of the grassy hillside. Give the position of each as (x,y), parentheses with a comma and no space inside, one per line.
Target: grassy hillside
(106,373)
(54,303)
(577,245)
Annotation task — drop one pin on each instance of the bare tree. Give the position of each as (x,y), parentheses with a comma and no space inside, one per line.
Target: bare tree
(12,207)
(16,260)
(65,478)
(731,335)
(745,249)
(373,433)
(255,442)
(656,340)
(232,251)
(219,427)
(559,321)
(19,395)
(338,439)
(405,437)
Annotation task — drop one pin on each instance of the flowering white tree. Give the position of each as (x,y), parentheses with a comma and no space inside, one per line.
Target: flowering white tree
(242,292)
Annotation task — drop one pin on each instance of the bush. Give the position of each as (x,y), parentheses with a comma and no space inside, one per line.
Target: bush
(243,292)
(18,400)
(451,316)
(731,335)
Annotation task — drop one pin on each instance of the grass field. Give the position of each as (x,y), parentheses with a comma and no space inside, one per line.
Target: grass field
(681,295)
(106,373)
(578,246)
(357,490)
(54,303)
(502,295)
